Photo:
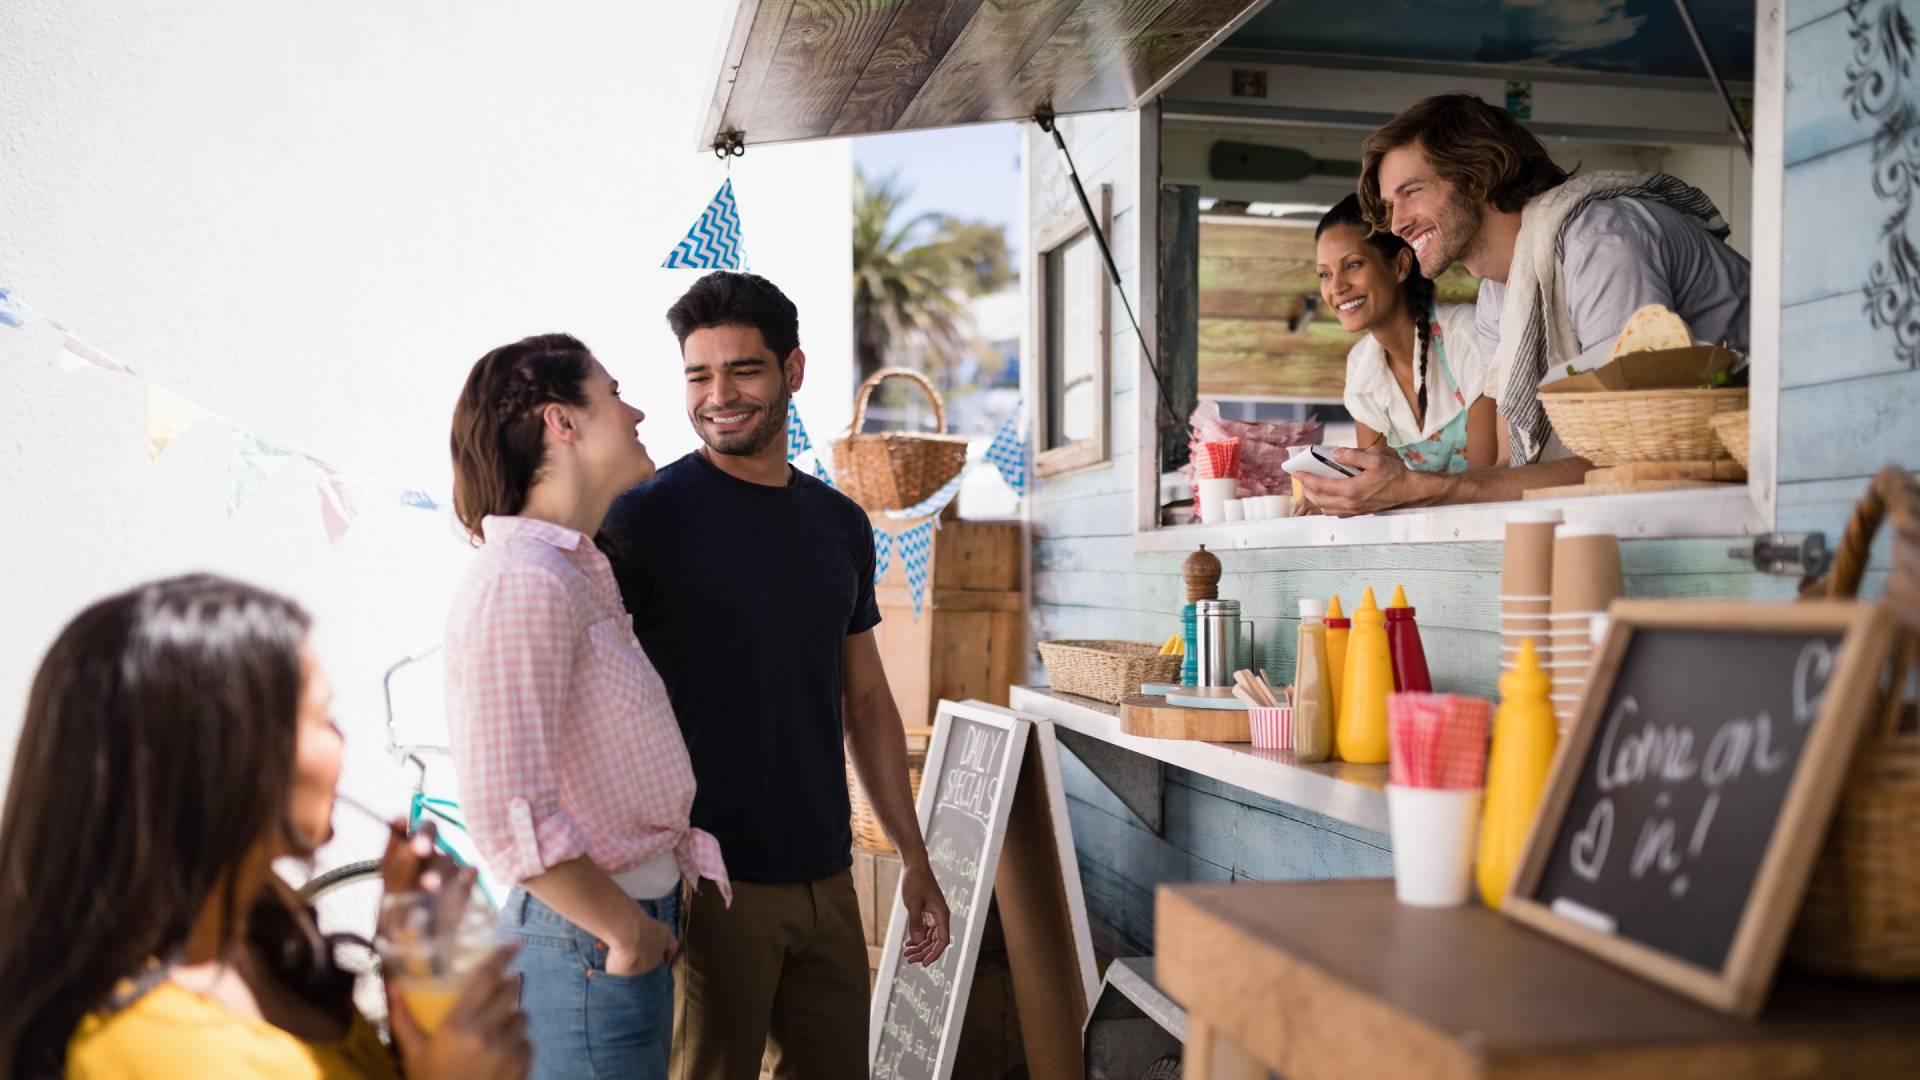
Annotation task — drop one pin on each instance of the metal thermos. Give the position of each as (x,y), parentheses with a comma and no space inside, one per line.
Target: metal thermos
(1217,637)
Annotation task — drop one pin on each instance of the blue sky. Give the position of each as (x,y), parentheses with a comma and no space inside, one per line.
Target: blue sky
(971,172)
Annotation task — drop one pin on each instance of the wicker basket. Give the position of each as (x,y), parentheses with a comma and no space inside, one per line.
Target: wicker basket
(1621,427)
(1861,916)
(894,470)
(1106,670)
(866,824)
(1731,427)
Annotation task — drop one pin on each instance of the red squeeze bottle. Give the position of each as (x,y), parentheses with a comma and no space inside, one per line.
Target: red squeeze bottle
(1403,645)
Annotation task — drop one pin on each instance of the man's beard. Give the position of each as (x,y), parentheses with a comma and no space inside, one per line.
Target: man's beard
(756,438)
(1454,232)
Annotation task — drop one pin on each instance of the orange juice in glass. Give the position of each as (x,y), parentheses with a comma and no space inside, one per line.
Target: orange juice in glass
(430,944)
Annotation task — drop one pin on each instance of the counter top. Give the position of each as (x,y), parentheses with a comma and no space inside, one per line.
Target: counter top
(1355,794)
(1332,979)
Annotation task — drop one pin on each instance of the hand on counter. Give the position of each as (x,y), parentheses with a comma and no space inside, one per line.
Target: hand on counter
(926,911)
(1381,485)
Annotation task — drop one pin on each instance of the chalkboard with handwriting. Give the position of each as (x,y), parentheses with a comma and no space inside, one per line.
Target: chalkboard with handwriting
(966,794)
(1684,812)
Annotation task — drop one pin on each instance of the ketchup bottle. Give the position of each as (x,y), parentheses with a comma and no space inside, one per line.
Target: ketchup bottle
(1403,644)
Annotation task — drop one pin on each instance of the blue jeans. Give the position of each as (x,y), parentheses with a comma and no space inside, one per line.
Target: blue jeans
(582,1021)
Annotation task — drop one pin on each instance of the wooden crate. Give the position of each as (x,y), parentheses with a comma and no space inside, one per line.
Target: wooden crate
(969,639)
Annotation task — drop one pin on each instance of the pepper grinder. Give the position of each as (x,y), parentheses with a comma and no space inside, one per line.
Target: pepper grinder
(1202,572)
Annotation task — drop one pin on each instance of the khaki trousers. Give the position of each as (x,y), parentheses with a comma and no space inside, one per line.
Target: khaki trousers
(780,975)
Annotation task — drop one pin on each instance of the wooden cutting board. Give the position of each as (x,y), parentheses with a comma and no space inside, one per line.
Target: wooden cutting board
(1153,718)
(1620,489)
(1639,471)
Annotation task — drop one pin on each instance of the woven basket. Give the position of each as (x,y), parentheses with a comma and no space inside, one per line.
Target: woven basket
(1106,670)
(867,832)
(893,470)
(1731,428)
(1621,427)
(1861,916)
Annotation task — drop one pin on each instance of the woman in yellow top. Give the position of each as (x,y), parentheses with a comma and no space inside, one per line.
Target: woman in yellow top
(178,740)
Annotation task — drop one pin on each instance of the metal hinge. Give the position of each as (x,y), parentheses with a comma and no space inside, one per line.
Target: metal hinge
(1802,555)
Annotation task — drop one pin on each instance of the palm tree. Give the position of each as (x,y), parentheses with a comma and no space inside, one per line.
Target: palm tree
(911,279)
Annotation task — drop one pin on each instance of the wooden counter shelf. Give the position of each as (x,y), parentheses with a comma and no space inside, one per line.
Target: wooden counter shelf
(1335,979)
(1355,794)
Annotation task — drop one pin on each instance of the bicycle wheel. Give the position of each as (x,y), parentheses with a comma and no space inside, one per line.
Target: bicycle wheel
(346,903)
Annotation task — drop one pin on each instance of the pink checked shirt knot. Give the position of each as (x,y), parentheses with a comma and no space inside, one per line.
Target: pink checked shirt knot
(562,733)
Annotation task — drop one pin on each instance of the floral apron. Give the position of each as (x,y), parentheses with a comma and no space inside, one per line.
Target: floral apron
(1445,451)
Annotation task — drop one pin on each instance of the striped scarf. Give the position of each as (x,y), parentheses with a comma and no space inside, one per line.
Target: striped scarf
(1536,330)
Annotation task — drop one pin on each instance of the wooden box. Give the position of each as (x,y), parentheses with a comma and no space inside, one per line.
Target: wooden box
(969,638)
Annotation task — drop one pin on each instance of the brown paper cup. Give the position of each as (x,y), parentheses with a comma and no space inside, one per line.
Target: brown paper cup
(1526,564)
(1586,571)
(1525,609)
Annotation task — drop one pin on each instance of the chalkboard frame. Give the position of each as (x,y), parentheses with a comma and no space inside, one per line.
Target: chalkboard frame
(1740,986)
(1017,730)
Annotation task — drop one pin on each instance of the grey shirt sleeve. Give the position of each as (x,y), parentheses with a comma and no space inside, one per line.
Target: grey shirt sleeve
(1613,266)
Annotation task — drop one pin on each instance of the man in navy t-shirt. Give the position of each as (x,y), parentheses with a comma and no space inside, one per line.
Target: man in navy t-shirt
(751,589)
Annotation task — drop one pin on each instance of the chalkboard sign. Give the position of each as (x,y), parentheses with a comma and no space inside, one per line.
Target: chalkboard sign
(966,793)
(1687,805)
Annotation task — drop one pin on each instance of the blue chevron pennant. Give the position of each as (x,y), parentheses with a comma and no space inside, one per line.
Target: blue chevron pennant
(820,472)
(1008,451)
(916,551)
(714,241)
(882,554)
(797,441)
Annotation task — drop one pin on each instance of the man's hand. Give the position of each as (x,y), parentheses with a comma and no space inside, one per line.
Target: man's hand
(926,912)
(1382,484)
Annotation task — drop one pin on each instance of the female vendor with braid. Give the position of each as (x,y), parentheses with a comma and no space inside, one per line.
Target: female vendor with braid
(1415,378)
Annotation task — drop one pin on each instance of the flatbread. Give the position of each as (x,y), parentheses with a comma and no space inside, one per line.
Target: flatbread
(1651,328)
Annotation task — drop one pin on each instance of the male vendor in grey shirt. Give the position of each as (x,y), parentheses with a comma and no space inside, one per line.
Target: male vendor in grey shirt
(1462,181)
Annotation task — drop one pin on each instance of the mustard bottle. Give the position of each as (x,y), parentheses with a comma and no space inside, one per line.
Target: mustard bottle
(1312,689)
(1337,626)
(1361,735)
(1523,742)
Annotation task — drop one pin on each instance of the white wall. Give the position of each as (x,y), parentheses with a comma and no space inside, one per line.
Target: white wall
(312,219)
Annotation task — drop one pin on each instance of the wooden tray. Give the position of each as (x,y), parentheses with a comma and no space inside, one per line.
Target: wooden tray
(1668,470)
(1153,718)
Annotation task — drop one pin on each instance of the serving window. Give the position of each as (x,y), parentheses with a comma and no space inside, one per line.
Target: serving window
(1262,170)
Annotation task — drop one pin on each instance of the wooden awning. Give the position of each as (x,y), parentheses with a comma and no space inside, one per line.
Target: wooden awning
(808,69)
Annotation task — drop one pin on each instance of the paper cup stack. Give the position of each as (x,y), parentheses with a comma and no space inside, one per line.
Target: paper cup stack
(1526,582)
(1586,578)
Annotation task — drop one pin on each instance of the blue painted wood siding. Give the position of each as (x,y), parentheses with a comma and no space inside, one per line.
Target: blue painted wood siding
(1849,404)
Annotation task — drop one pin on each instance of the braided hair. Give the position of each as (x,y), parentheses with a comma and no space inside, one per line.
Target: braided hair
(499,439)
(1416,292)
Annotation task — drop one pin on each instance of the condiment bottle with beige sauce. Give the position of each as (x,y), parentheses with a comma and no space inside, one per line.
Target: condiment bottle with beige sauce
(1312,688)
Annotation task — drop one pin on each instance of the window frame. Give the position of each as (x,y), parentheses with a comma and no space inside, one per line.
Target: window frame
(1743,510)
(1059,231)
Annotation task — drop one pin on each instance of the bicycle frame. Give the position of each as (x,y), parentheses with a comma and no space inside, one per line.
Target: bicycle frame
(420,805)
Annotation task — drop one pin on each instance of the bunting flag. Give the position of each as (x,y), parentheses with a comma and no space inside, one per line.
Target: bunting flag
(882,554)
(77,355)
(14,313)
(254,459)
(820,472)
(916,550)
(1008,451)
(169,416)
(797,441)
(714,241)
(932,504)
(420,500)
(340,497)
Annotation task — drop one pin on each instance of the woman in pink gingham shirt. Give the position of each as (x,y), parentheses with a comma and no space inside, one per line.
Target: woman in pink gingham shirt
(573,773)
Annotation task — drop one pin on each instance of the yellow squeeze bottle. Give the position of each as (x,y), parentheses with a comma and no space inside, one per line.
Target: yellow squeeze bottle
(1337,626)
(1523,742)
(1361,735)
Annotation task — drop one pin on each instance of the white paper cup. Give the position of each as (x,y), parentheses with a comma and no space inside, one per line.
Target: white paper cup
(1251,509)
(1214,492)
(1276,506)
(1235,510)
(1434,831)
